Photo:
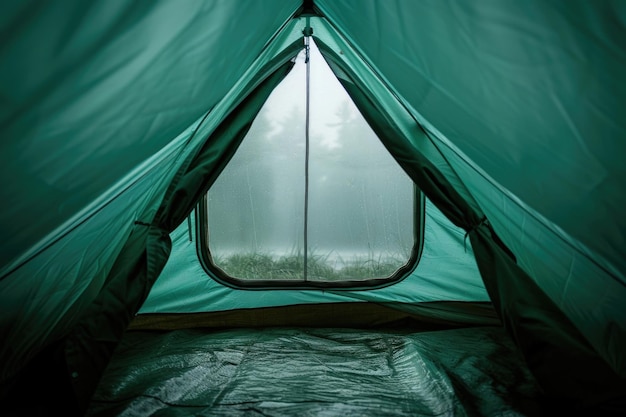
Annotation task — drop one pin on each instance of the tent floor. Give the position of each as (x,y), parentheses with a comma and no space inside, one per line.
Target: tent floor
(316,371)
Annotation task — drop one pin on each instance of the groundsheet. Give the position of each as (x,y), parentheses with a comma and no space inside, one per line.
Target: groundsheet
(316,372)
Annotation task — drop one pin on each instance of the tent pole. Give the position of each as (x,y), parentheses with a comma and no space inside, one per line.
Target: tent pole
(307,37)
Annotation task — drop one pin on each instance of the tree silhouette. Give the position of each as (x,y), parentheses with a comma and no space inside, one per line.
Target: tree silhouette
(360,195)
(238,199)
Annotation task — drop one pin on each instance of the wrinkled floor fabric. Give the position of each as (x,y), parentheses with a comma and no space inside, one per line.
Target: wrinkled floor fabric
(316,372)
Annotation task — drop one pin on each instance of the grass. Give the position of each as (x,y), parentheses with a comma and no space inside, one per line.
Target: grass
(263,266)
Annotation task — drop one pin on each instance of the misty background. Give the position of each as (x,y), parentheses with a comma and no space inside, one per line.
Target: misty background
(361,203)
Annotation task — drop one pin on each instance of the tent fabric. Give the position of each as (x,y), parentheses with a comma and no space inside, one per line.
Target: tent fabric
(133,278)
(96,230)
(512,295)
(543,330)
(348,372)
(548,81)
(115,79)
(542,58)
(493,261)
(506,115)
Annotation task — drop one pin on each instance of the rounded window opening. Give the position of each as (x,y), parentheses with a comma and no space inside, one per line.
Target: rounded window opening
(336,213)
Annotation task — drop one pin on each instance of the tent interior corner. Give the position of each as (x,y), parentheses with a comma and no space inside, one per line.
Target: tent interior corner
(287,207)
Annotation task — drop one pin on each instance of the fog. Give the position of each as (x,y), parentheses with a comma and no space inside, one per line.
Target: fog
(360,201)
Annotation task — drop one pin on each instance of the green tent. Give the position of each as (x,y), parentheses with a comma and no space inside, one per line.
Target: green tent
(467,172)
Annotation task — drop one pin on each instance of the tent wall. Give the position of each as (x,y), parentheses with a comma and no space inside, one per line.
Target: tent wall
(531,94)
(515,85)
(185,287)
(74,128)
(44,298)
(83,271)
(588,294)
(94,89)
(91,343)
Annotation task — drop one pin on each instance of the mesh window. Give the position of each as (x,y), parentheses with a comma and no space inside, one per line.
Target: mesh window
(363,214)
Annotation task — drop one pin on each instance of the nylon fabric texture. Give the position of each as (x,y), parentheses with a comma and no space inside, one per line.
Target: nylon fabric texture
(286,372)
(506,116)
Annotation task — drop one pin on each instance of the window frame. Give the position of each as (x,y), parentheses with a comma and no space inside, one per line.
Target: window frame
(217,274)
